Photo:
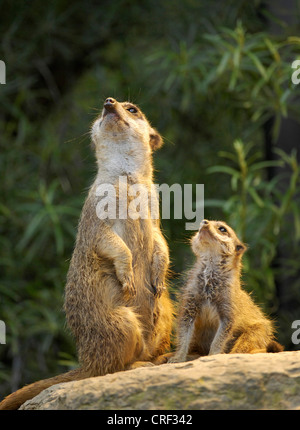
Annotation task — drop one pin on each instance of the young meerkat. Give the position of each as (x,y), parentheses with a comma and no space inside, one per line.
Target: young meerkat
(116,302)
(215,314)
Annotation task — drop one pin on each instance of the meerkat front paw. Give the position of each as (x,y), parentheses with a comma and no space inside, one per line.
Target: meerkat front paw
(128,286)
(157,276)
(176,359)
(158,287)
(126,279)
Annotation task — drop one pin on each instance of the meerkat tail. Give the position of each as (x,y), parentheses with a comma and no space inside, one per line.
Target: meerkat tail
(274,346)
(16,399)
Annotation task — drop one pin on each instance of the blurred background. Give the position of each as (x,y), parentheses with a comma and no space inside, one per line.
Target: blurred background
(213,77)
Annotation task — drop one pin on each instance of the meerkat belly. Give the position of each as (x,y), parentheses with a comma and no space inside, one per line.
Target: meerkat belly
(206,325)
(137,234)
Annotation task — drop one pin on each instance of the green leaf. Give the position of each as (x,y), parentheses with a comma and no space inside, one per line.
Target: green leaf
(296,214)
(223,63)
(263,164)
(294,39)
(31,229)
(273,49)
(258,64)
(256,197)
(223,169)
(214,203)
(226,154)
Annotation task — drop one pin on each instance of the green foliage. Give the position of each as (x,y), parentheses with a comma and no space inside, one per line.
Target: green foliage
(206,74)
(253,69)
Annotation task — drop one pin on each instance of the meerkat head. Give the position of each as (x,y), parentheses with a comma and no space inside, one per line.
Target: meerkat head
(217,238)
(124,123)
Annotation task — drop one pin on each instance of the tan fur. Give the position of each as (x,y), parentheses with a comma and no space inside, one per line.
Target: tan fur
(215,314)
(116,301)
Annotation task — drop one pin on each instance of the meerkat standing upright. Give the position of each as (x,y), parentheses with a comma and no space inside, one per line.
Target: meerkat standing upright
(216,315)
(116,303)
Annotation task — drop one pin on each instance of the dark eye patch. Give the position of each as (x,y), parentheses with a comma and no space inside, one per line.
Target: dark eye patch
(222,229)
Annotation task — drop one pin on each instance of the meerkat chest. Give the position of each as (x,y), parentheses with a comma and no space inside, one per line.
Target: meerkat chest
(118,227)
(122,160)
(137,234)
(210,284)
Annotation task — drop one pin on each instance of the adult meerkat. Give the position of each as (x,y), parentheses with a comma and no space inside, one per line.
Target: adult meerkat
(216,315)
(116,303)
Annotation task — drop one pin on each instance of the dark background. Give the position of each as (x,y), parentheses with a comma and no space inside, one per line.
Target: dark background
(214,77)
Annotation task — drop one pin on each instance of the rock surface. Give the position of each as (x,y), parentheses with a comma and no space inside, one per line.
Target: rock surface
(233,381)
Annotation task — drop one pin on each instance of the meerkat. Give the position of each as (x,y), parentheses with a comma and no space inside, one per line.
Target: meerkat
(116,302)
(215,314)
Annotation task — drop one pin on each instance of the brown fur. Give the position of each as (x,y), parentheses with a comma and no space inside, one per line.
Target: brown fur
(116,302)
(215,314)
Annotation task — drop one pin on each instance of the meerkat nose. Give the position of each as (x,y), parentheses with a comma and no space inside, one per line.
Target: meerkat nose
(109,103)
(203,223)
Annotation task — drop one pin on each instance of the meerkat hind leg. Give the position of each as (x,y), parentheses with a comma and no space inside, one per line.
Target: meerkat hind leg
(115,350)
(250,342)
(185,337)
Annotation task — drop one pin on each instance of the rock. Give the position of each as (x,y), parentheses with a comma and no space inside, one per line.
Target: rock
(233,381)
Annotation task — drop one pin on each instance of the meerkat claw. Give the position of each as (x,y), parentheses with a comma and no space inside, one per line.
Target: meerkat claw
(158,289)
(129,289)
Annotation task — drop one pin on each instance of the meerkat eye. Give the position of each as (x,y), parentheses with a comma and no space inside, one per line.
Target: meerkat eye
(132,110)
(223,229)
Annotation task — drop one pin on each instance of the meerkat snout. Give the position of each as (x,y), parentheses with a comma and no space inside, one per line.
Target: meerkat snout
(109,106)
(109,101)
(203,223)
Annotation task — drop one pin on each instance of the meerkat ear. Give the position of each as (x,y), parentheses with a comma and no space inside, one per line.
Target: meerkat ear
(156,140)
(240,248)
